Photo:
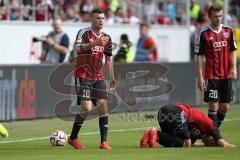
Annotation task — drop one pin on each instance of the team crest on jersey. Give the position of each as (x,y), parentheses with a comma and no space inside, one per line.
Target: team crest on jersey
(226,34)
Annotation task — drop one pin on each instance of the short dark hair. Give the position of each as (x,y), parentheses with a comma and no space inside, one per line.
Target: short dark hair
(97,11)
(214,8)
(144,24)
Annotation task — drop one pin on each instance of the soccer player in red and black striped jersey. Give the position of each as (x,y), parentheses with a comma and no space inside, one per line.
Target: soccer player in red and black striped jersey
(93,47)
(181,125)
(216,42)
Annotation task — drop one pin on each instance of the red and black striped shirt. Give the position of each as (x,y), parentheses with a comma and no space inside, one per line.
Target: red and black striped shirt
(216,46)
(89,65)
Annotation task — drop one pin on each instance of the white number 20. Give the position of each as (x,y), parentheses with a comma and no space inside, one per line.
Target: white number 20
(213,94)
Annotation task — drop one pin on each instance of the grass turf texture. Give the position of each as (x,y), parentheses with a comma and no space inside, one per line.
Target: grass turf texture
(124,144)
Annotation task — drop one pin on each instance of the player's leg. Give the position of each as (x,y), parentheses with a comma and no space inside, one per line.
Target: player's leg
(168,140)
(103,118)
(211,96)
(101,103)
(226,96)
(173,127)
(86,107)
(83,98)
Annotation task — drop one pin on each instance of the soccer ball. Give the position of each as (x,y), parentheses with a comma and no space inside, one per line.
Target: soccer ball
(58,138)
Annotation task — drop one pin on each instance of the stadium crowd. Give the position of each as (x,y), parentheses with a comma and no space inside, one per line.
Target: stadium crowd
(161,12)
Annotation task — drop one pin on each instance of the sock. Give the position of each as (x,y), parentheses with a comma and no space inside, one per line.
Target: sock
(213,115)
(79,119)
(168,140)
(103,125)
(221,116)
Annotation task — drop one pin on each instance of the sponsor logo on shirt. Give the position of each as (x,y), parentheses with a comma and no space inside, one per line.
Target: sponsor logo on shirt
(220,44)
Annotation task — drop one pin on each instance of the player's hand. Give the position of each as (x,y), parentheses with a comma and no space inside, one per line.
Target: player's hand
(223,143)
(105,40)
(113,84)
(201,84)
(100,41)
(233,74)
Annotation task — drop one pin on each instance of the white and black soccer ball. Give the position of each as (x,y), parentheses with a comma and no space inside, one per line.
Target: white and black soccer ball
(58,138)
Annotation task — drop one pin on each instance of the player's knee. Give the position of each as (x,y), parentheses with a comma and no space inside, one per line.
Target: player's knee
(101,103)
(224,107)
(86,107)
(213,106)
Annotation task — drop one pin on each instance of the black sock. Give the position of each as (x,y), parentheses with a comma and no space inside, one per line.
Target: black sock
(103,125)
(79,119)
(168,140)
(221,116)
(213,115)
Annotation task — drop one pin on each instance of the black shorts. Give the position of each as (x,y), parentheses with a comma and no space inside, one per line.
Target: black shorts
(218,91)
(90,90)
(171,120)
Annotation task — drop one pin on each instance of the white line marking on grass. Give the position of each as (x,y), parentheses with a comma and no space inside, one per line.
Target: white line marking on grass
(231,119)
(93,133)
(83,134)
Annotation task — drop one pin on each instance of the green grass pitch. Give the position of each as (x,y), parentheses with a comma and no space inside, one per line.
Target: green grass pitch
(123,136)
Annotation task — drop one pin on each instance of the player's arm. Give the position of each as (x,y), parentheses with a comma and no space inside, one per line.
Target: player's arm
(152,47)
(109,63)
(187,143)
(84,47)
(218,138)
(201,82)
(199,51)
(233,64)
(233,57)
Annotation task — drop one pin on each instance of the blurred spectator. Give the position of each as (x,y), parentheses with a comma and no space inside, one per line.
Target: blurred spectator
(170,10)
(109,17)
(15,14)
(232,19)
(121,16)
(122,11)
(55,45)
(86,8)
(71,14)
(162,17)
(3,12)
(148,11)
(132,18)
(58,11)
(26,13)
(112,4)
(125,52)
(194,10)
(105,4)
(43,10)
(146,47)
(202,18)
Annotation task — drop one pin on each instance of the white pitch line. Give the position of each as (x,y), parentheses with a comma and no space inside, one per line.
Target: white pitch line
(83,134)
(232,119)
(93,133)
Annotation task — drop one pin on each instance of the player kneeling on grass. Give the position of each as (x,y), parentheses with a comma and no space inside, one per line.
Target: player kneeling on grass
(181,125)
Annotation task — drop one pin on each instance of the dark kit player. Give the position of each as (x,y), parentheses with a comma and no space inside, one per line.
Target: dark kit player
(181,125)
(216,42)
(92,46)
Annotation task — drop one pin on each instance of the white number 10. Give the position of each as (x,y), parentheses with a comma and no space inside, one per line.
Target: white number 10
(86,93)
